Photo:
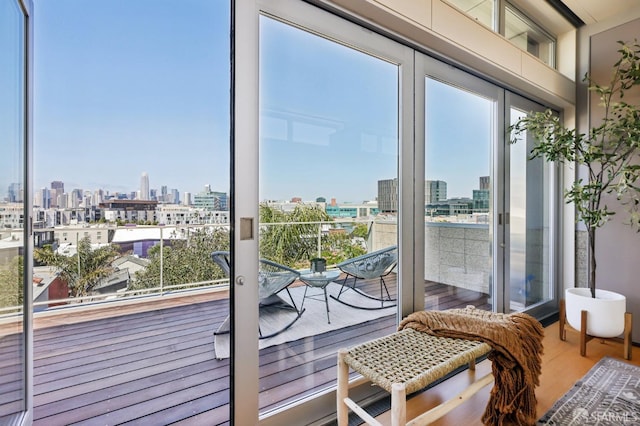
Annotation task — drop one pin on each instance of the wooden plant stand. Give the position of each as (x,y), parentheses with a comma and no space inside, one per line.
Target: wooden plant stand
(584,337)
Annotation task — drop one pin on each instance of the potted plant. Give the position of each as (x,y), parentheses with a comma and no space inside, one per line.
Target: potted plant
(607,157)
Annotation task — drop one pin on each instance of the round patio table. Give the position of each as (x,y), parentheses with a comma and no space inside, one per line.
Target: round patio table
(318,280)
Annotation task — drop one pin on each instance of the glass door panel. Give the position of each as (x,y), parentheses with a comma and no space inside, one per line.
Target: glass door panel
(329,190)
(459,141)
(530,197)
(132,150)
(13,211)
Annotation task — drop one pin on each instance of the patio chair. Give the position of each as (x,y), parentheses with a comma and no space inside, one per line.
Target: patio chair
(273,278)
(377,264)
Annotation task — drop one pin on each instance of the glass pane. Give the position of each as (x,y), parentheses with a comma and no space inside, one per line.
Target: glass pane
(131,170)
(529,206)
(328,150)
(458,194)
(481,10)
(12,210)
(528,36)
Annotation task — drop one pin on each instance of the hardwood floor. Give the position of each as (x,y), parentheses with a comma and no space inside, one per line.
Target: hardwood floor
(562,366)
(152,363)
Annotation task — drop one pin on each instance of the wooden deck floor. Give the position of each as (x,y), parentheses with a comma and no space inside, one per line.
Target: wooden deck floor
(153,364)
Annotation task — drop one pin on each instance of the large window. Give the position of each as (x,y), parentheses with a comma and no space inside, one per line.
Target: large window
(515,25)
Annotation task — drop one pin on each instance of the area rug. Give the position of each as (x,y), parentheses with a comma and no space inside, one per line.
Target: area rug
(609,394)
(314,318)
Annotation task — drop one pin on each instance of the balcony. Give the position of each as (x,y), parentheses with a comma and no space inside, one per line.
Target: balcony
(123,356)
(152,359)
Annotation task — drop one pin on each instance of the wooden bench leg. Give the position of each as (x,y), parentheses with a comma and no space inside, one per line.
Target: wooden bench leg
(343,389)
(398,405)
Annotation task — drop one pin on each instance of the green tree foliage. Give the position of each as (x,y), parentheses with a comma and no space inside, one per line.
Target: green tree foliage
(361,230)
(11,276)
(185,261)
(341,246)
(608,152)
(83,270)
(293,239)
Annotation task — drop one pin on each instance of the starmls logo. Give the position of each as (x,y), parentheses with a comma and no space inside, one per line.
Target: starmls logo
(606,417)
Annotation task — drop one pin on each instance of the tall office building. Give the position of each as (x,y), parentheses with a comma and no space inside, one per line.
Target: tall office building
(57,189)
(434,191)
(42,198)
(144,186)
(485,182)
(174,197)
(15,193)
(388,195)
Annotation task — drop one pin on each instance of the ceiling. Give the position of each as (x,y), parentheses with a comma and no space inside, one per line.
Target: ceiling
(592,11)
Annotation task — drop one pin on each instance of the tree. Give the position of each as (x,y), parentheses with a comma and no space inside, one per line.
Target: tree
(341,246)
(11,277)
(608,152)
(293,239)
(361,230)
(184,261)
(83,270)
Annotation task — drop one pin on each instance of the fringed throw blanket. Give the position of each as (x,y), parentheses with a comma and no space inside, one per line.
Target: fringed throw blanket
(516,342)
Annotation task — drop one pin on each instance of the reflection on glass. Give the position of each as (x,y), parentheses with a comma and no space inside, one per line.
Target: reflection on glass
(12,210)
(528,36)
(459,135)
(328,187)
(529,255)
(481,10)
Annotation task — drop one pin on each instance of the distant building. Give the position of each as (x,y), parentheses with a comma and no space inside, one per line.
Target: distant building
(57,189)
(353,211)
(434,191)
(211,200)
(481,200)
(174,196)
(485,183)
(11,215)
(15,193)
(451,207)
(129,210)
(388,195)
(144,186)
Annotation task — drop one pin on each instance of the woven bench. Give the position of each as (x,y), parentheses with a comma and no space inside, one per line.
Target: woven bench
(402,363)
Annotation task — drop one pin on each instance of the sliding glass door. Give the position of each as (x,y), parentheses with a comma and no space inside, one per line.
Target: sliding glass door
(460,139)
(328,189)
(15,277)
(489,224)
(530,200)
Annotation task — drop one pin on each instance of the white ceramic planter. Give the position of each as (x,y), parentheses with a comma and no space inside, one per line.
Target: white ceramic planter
(605,316)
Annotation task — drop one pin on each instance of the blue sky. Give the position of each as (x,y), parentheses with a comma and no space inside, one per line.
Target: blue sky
(11,103)
(125,87)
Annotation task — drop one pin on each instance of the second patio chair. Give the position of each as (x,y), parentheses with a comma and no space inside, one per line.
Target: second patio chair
(377,264)
(273,278)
